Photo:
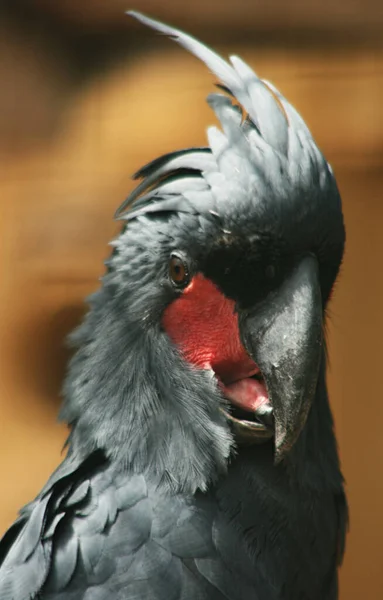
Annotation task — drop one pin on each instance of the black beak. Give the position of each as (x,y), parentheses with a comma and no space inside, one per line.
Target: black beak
(283,335)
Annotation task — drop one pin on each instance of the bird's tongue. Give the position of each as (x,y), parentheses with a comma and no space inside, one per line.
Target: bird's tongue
(235,375)
(248,394)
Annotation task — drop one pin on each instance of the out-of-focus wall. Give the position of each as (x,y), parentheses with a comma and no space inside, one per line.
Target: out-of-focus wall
(83,104)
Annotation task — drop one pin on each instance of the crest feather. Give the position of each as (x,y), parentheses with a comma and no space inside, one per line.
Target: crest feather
(271,128)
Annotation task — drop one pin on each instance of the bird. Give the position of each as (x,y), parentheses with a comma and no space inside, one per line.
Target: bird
(202,462)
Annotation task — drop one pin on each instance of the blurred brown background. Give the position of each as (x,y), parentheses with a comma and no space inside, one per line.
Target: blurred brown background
(86,97)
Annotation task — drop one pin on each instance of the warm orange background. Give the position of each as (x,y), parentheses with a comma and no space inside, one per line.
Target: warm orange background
(82,106)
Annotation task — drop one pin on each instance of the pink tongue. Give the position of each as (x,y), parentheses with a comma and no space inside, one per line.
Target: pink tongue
(248,394)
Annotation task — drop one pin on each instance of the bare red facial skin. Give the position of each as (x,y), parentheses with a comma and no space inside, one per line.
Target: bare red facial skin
(203,324)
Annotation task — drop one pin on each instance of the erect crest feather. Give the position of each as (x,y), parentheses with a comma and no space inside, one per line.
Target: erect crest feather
(272,129)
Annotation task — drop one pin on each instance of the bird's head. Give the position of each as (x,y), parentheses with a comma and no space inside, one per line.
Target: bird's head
(208,329)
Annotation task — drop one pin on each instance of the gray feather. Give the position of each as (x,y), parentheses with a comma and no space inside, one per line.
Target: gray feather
(250,148)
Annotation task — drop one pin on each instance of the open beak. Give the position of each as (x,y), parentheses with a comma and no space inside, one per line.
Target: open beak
(283,335)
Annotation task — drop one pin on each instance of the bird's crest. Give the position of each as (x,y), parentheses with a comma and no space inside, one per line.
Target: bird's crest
(259,125)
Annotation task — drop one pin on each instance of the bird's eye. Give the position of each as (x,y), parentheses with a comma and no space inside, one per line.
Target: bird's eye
(178,271)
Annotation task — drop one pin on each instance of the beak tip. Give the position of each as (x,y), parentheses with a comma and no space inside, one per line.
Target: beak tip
(283,443)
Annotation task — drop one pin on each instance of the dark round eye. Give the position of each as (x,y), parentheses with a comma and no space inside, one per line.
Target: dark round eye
(270,271)
(178,271)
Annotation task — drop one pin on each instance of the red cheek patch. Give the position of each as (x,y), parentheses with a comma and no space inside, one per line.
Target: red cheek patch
(203,323)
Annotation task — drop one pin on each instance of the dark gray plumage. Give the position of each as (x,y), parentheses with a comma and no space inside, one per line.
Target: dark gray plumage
(155,499)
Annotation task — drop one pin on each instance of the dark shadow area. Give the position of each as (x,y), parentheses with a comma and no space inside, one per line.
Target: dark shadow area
(83,53)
